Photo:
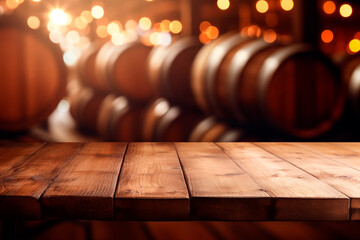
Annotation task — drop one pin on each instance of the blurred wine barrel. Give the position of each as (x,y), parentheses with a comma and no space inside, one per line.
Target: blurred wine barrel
(293,88)
(211,130)
(170,71)
(354,89)
(123,70)
(84,108)
(32,75)
(166,123)
(118,120)
(205,69)
(86,68)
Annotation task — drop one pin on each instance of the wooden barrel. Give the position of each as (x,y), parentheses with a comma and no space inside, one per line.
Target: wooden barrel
(211,130)
(293,88)
(119,120)
(123,70)
(86,68)
(32,75)
(84,108)
(205,69)
(170,71)
(166,123)
(354,90)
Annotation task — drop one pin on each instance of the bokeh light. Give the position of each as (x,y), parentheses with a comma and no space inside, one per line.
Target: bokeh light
(97,12)
(345,10)
(329,7)
(327,36)
(262,6)
(33,22)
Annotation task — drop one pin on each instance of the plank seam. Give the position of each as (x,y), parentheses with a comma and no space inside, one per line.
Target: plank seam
(274,154)
(272,210)
(186,181)
(118,178)
(66,163)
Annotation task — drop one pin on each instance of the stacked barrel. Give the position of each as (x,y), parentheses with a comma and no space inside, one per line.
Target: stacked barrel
(215,92)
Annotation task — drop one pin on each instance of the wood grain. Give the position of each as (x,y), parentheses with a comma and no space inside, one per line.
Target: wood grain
(86,187)
(151,184)
(219,189)
(297,194)
(21,189)
(337,175)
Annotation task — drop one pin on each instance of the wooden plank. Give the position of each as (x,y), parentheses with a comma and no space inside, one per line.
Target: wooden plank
(337,175)
(151,184)
(219,189)
(12,154)
(21,189)
(297,194)
(335,152)
(86,187)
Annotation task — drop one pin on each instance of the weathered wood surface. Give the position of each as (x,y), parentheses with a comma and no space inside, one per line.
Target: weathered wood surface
(85,188)
(219,189)
(297,195)
(151,184)
(180,181)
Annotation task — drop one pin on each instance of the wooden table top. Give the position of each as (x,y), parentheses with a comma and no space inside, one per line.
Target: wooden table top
(180,181)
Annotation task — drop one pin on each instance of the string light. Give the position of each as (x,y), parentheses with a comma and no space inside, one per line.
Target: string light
(145,23)
(212,32)
(33,22)
(345,10)
(175,26)
(327,36)
(59,17)
(223,4)
(269,36)
(354,45)
(262,6)
(204,25)
(97,12)
(101,31)
(204,38)
(329,7)
(287,5)
(86,16)
(165,25)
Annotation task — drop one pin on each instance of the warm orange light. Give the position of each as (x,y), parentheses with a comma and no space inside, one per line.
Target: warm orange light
(175,26)
(101,31)
(327,36)
(287,5)
(145,23)
(212,32)
(59,17)
(12,4)
(33,22)
(262,6)
(165,25)
(118,38)
(130,25)
(79,23)
(354,45)
(345,10)
(86,16)
(113,27)
(204,25)
(155,38)
(73,37)
(269,36)
(223,4)
(253,31)
(36,0)
(329,7)
(157,27)
(204,38)
(97,12)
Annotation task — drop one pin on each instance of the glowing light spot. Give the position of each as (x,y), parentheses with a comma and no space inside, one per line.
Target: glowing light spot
(73,37)
(165,25)
(113,27)
(345,10)
(70,57)
(33,22)
(175,26)
(354,45)
(327,36)
(12,4)
(165,39)
(97,12)
(155,38)
(204,25)
(262,6)
(287,5)
(59,17)
(145,23)
(1,10)
(118,38)
(204,38)
(223,4)
(269,36)
(253,31)
(212,32)
(79,23)
(55,36)
(329,7)
(130,25)
(157,27)
(86,16)
(36,0)
(101,31)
